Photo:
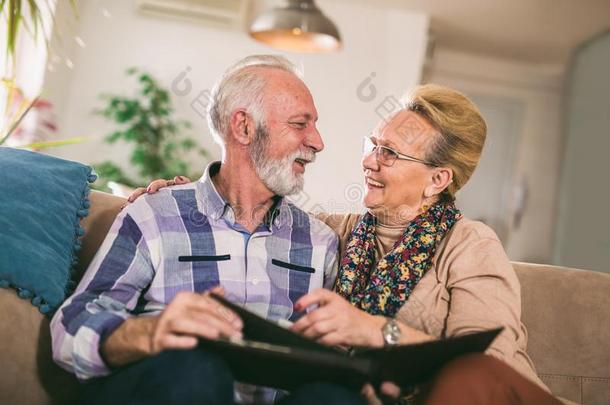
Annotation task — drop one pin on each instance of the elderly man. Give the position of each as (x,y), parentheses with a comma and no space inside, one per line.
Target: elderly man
(131,328)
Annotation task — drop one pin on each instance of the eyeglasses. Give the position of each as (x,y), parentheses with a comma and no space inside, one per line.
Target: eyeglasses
(387,156)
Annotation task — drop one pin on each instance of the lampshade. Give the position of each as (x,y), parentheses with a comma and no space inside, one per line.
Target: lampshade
(300,26)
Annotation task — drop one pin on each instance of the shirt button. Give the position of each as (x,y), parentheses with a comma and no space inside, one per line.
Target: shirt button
(255,281)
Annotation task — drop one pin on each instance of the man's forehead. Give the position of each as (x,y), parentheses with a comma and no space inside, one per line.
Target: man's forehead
(292,97)
(278,78)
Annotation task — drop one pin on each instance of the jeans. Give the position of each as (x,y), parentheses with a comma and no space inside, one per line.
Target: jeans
(193,377)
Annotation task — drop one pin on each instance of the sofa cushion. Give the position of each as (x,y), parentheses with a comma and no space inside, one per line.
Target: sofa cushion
(42,201)
(29,375)
(567,317)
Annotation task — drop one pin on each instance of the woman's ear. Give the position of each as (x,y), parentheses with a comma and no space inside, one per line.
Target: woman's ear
(241,127)
(441,178)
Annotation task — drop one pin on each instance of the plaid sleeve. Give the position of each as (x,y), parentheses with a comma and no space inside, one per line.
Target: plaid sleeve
(107,294)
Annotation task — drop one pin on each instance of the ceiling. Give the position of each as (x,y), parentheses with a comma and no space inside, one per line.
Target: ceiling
(538,31)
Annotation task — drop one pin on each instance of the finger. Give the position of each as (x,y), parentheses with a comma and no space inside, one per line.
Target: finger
(155,185)
(317,315)
(390,389)
(189,325)
(181,180)
(224,313)
(204,304)
(170,341)
(318,329)
(197,324)
(319,296)
(220,324)
(218,290)
(136,193)
(368,392)
(367,389)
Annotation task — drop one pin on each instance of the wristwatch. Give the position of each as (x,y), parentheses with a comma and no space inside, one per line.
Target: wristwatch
(391,332)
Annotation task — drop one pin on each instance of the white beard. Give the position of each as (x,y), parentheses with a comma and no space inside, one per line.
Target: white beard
(277,174)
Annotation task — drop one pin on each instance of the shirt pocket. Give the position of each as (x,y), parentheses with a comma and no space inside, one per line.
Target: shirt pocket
(291,266)
(292,281)
(204,258)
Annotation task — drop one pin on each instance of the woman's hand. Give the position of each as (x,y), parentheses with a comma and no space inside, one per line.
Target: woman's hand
(388,389)
(155,186)
(337,322)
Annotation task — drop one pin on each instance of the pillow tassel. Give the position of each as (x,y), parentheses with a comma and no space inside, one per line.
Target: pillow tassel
(24,293)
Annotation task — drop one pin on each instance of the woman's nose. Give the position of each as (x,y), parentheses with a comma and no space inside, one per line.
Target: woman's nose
(369,161)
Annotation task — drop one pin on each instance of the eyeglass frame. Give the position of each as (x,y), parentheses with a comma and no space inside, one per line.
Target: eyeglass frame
(399,156)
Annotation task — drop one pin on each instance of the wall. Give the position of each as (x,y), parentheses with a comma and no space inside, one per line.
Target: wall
(387,42)
(531,94)
(583,236)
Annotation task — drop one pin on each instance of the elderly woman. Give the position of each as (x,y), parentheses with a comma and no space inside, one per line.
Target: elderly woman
(414,269)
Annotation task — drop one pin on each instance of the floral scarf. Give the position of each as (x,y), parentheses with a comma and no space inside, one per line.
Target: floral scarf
(383,289)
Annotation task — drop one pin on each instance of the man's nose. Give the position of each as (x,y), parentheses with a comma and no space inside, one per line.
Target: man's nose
(314,140)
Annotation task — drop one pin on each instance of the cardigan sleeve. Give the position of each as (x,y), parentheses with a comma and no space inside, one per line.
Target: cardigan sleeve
(484,291)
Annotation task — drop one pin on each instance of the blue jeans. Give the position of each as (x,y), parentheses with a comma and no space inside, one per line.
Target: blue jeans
(192,377)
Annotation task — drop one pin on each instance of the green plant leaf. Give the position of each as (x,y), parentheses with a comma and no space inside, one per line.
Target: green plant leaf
(35,17)
(145,120)
(115,136)
(13,19)
(74,8)
(187,144)
(15,125)
(32,21)
(109,171)
(54,144)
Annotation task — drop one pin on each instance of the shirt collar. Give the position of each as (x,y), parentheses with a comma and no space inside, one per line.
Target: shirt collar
(216,207)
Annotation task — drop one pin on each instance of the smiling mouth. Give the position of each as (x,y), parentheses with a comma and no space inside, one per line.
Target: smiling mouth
(374,183)
(302,162)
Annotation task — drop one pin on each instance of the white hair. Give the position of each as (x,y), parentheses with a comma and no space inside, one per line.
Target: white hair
(242,87)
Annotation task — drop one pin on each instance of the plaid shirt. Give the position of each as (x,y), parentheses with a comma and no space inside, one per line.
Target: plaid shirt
(185,238)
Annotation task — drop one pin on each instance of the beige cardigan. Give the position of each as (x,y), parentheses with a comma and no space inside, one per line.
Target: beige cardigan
(471,286)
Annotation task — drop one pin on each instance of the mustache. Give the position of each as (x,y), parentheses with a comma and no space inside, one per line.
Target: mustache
(306,154)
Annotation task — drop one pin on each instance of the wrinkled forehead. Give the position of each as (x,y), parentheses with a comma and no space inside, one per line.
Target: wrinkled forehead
(285,92)
(285,83)
(405,128)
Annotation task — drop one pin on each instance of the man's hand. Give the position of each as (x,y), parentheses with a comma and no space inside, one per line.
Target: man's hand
(337,322)
(188,317)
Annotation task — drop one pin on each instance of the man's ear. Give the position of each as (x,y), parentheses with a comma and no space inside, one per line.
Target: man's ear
(242,128)
(441,179)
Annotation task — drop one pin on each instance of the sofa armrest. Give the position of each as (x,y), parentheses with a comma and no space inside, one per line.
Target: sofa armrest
(104,209)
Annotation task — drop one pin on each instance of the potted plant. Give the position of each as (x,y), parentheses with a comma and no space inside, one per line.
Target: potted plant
(147,121)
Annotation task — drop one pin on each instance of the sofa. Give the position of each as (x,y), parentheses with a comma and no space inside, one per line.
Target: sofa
(566,312)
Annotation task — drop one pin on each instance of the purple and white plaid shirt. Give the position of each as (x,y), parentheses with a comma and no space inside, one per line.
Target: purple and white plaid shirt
(186,239)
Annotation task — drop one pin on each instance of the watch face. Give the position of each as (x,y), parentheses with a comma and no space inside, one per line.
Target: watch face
(391,332)
(393,339)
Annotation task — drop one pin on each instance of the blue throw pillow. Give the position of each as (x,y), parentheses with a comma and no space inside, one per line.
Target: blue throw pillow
(42,200)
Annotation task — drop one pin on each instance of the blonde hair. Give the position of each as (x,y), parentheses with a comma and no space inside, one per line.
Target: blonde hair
(461,130)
